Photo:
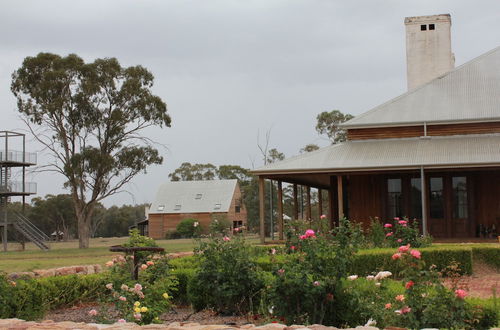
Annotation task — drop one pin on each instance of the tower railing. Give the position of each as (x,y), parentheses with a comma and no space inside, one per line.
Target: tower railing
(14,156)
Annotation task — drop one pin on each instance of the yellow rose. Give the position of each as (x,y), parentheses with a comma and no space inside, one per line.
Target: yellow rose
(137,310)
(144,309)
(137,304)
(165,295)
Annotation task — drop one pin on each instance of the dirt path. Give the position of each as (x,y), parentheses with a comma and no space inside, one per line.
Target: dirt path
(482,283)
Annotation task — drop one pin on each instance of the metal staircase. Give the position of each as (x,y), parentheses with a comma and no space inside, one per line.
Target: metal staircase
(30,231)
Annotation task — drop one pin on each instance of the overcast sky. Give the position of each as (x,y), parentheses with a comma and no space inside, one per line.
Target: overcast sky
(231,69)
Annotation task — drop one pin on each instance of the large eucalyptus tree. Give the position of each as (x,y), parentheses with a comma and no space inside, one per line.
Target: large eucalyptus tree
(89,117)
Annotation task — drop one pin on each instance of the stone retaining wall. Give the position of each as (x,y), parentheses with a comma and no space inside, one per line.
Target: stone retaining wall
(20,324)
(79,270)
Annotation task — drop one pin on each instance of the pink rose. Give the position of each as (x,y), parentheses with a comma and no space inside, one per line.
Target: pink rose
(281,271)
(396,256)
(310,233)
(109,286)
(416,254)
(137,287)
(388,306)
(110,263)
(322,217)
(402,222)
(236,230)
(316,283)
(122,321)
(122,298)
(226,239)
(404,248)
(388,234)
(144,266)
(409,284)
(273,251)
(150,263)
(92,312)
(292,247)
(302,237)
(388,225)
(399,240)
(396,218)
(400,297)
(460,294)
(405,310)
(137,316)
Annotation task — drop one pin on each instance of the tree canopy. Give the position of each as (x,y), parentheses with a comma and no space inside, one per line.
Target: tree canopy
(328,124)
(89,117)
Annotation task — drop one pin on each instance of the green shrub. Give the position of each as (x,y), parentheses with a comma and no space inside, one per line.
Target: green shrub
(183,276)
(220,225)
(189,228)
(172,234)
(141,301)
(376,234)
(227,278)
(403,231)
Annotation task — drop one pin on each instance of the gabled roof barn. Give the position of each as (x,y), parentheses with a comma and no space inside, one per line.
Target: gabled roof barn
(194,197)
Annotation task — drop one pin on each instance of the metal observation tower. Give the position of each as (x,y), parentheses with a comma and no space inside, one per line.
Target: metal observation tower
(13,164)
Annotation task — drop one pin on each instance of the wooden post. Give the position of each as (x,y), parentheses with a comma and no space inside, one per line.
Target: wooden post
(423,190)
(340,193)
(332,201)
(280,211)
(320,203)
(308,203)
(262,196)
(295,203)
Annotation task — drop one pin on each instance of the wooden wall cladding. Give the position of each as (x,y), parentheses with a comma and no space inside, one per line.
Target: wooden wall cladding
(385,132)
(459,129)
(415,131)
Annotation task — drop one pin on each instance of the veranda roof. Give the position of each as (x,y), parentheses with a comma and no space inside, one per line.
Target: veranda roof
(468,93)
(409,153)
(194,197)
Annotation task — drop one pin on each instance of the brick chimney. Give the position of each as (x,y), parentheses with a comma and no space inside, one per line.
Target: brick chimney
(428,48)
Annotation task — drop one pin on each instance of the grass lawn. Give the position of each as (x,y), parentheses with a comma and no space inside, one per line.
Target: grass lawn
(67,253)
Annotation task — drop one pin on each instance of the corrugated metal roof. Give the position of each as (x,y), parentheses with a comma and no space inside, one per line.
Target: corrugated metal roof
(470,92)
(194,197)
(456,151)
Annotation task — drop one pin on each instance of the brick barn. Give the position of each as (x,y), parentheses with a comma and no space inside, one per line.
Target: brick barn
(200,200)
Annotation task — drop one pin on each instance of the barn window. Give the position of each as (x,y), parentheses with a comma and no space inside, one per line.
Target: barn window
(237,209)
(198,196)
(423,27)
(432,27)
(217,207)
(161,207)
(177,207)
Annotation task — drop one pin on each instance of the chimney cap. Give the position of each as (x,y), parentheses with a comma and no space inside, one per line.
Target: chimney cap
(427,19)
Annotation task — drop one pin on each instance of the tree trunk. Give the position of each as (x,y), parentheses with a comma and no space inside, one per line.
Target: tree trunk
(83,232)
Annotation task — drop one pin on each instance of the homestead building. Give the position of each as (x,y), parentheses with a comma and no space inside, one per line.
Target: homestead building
(204,201)
(431,154)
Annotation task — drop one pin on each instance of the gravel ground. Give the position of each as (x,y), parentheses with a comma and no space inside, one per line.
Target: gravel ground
(79,313)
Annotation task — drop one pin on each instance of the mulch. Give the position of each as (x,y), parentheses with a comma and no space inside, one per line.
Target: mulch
(79,313)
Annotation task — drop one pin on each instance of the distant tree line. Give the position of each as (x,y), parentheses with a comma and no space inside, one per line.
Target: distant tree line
(55,216)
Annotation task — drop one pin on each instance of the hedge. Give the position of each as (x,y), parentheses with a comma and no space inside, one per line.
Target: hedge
(30,299)
(489,255)
(367,262)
